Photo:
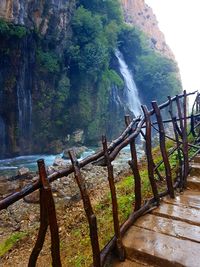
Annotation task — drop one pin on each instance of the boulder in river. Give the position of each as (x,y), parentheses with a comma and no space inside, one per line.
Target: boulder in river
(23,171)
(77,150)
(60,162)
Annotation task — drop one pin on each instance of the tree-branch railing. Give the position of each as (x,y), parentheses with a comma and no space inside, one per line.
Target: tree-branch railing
(106,156)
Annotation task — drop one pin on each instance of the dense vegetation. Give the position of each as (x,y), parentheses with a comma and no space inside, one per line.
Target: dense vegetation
(72,80)
(155,75)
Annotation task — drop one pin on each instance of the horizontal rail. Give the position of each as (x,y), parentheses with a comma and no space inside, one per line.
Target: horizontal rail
(109,153)
(4,203)
(113,148)
(167,103)
(170,120)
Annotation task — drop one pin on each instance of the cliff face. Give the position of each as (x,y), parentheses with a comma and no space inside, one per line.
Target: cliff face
(33,29)
(40,15)
(138,13)
(59,74)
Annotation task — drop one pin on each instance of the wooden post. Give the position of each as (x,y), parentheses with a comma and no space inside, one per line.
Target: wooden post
(42,230)
(163,149)
(134,167)
(185,140)
(178,144)
(180,116)
(149,154)
(192,124)
(88,210)
(154,165)
(120,248)
(48,216)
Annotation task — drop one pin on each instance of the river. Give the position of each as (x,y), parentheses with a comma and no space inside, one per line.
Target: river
(10,167)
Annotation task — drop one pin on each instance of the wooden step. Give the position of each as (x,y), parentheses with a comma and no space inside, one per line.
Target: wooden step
(128,263)
(195,171)
(188,198)
(160,249)
(169,227)
(191,215)
(193,182)
(196,159)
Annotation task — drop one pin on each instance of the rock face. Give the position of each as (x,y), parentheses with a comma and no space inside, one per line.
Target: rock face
(47,101)
(22,78)
(138,13)
(37,14)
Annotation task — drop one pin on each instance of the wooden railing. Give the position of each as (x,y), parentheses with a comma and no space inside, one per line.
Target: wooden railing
(179,122)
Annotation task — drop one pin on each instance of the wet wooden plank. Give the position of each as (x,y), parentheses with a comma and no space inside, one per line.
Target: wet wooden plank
(197,159)
(191,199)
(160,249)
(170,227)
(195,169)
(129,263)
(193,182)
(191,215)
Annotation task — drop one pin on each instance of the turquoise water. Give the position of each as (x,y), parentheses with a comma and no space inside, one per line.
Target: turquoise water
(12,165)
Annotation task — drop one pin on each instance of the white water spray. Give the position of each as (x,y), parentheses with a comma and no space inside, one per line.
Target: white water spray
(131,93)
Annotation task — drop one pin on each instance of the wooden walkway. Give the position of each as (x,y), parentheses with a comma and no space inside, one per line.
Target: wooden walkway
(170,234)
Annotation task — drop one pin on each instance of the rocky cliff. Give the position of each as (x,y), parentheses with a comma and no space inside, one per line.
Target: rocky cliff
(138,13)
(59,74)
(40,15)
(32,36)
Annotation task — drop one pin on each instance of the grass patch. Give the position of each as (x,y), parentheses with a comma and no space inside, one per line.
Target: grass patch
(77,252)
(79,237)
(6,245)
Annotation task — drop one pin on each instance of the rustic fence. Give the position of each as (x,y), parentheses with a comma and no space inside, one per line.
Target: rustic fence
(182,126)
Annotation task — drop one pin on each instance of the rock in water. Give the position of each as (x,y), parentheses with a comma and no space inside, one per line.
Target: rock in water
(77,150)
(60,162)
(23,171)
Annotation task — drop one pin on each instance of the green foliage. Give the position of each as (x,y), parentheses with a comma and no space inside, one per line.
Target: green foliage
(74,86)
(125,197)
(130,44)
(86,26)
(48,61)
(156,77)
(109,9)
(93,57)
(61,97)
(95,26)
(4,28)
(85,107)
(6,245)
(111,31)
(11,30)
(89,47)
(111,77)
(62,93)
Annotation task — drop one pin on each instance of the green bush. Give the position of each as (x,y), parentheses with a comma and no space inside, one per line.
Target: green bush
(48,61)
(155,75)
(11,30)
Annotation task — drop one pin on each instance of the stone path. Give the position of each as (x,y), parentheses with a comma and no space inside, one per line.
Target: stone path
(169,236)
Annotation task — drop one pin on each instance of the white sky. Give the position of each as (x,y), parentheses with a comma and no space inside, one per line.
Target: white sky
(179,20)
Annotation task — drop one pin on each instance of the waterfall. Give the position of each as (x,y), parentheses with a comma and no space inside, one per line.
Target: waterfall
(2,136)
(132,101)
(24,103)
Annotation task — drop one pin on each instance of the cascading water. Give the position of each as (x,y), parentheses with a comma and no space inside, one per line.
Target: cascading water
(2,135)
(132,101)
(24,104)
